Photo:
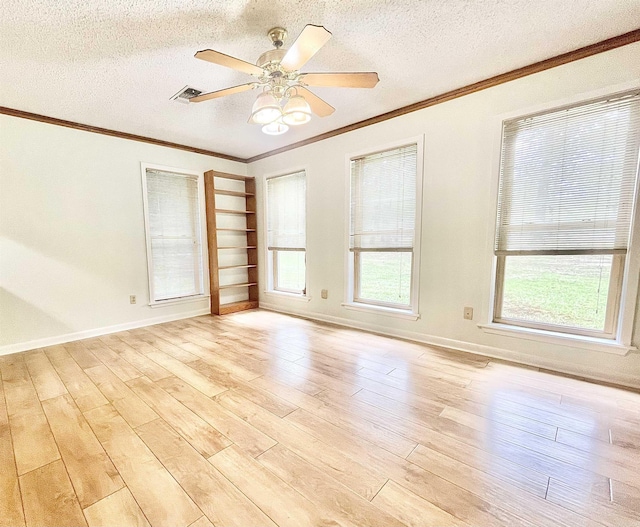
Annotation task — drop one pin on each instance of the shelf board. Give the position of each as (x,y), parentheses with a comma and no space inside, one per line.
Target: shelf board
(246,266)
(231,286)
(238,247)
(238,306)
(237,230)
(224,175)
(233,193)
(230,211)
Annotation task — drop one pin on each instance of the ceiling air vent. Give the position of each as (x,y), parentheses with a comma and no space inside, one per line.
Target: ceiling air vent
(185,94)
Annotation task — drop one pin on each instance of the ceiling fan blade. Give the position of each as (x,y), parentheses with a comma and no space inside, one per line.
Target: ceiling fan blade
(341,80)
(318,106)
(230,62)
(309,41)
(222,93)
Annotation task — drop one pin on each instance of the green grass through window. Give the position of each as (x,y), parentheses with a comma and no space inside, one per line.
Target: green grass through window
(564,290)
(386,277)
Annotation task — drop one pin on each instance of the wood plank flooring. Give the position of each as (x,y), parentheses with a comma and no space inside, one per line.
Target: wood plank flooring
(261,419)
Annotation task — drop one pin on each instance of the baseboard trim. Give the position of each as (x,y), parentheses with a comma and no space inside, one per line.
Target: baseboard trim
(79,335)
(628,381)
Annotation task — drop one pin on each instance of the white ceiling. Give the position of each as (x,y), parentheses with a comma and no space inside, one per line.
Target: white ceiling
(115,63)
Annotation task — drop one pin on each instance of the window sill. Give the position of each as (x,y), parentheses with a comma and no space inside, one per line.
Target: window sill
(560,339)
(288,296)
(174,301)
(388,311)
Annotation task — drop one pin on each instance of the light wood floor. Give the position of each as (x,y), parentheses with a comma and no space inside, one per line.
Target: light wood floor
(260,419)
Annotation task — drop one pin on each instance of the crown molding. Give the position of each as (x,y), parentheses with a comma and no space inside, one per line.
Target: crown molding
(571,56)
(113,133)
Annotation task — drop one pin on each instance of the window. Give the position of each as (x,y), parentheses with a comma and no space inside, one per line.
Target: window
(565,205)
(174,247)
(383,228)
(286,233)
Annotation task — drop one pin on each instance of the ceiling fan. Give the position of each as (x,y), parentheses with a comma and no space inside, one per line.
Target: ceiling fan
(285,100)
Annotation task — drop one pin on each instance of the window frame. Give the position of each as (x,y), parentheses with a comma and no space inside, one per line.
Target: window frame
(356,255)
(611,316)
(352,267)
(619,340)
(201,230)
(274,274)
(271,266)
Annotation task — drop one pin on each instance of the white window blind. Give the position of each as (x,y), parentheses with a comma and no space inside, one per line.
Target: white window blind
(568,178)
(174,233)
(286,217)
(383,200)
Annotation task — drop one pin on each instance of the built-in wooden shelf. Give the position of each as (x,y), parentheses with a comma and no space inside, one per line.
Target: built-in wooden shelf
(233,193)
(248,244)
(233,211)
(232,286)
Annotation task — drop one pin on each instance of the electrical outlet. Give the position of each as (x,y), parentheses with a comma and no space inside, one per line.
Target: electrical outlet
(468,313)
(324,294)
(132,299)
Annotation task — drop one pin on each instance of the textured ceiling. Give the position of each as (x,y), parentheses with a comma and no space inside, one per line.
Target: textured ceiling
(115,63)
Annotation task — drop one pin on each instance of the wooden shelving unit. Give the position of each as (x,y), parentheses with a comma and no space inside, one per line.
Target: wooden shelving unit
(247,234)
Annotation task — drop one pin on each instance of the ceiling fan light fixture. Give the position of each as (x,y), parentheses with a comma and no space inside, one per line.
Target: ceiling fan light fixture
(296,111)
(266,109)
(275,128)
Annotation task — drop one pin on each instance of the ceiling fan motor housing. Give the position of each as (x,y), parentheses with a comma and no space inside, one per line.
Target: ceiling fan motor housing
(271,59)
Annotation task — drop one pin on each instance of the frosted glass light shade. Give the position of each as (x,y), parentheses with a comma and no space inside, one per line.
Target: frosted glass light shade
(296,111)
(275,128)
(266,109)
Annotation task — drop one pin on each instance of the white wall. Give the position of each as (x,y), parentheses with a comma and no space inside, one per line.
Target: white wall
(460,182)
(72,242)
